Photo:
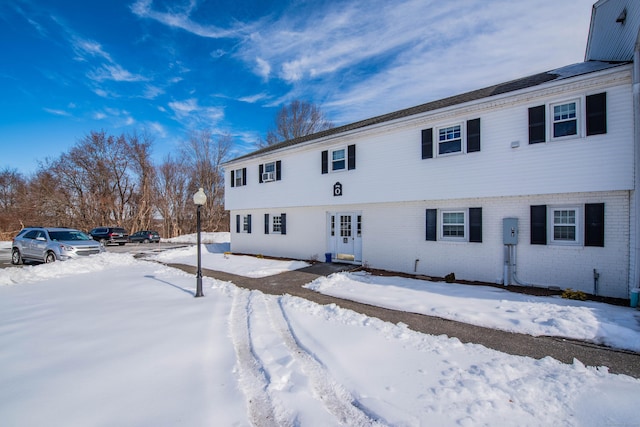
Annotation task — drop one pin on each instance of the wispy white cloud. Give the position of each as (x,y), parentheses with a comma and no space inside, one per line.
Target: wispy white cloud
(88,48)
(191,114)
(152,92)
(506,40)
(156,129)
(178,17)
(57,112)
(114,72)
(252,99)
(368,57)
(263,68)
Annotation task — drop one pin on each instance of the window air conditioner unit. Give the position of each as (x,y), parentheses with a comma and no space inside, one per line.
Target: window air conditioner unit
(267,176)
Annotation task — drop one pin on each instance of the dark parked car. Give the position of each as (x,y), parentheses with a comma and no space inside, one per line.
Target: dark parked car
(145,236)
(48,244)
(106,235)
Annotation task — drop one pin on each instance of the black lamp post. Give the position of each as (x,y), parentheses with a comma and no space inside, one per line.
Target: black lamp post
(199,199)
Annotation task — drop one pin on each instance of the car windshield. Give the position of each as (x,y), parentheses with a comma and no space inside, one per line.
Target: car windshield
(67,236)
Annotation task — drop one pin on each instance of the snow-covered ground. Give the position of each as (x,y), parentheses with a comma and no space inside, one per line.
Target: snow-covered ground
(113,340)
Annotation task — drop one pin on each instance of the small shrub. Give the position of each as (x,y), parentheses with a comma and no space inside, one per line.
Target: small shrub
(450,278)
(571,294)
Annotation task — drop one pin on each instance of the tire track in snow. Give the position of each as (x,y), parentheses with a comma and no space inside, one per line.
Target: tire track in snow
(252,380)
(290,367)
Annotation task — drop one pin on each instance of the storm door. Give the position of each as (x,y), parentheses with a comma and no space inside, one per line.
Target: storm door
(345,236)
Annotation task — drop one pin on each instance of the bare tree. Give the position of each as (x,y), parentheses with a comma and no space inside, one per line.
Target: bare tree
(92,184)
(204,155)
(299,118)
(171,187)
(143,203)
(12,202)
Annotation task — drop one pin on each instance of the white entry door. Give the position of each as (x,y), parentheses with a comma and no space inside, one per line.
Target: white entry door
(345,236)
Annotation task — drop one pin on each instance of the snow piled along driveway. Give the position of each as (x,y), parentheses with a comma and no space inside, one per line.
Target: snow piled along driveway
(111,340)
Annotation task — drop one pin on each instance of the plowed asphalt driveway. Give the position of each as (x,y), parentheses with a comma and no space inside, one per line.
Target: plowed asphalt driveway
(564,350)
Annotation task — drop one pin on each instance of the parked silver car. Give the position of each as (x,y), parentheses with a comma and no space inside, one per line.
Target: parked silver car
(48,244)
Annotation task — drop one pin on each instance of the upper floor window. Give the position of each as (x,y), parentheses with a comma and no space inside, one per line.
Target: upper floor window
(239,177)
(456,138)
(450,140)
(565,119)
(270,171)
(338,159)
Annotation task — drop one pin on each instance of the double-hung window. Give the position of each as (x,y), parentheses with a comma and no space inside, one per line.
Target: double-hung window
(450,140)
(565,225)
(243,223)
(238,177)
(453,225)
(338,160)
(269,172)
(568,225)
(458,225)
(565,119)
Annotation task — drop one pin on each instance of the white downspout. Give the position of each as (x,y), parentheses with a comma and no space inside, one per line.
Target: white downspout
(634,263)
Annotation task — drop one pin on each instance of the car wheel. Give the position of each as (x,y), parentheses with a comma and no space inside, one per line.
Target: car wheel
(16,258)
(145,241)
(50,257)
(121,244)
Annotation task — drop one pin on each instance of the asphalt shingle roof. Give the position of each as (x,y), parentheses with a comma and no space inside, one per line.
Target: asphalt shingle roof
(501,88)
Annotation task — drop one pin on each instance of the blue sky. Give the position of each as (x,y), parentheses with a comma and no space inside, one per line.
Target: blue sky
(165,68)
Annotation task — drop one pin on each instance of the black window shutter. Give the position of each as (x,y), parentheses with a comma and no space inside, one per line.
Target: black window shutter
(539,225)
(260,170)
(266,223)
(473,135)
(283,223)
(249,223)
(244,176)
(325,161)
(537,125)
(233,178)
(237,223)
(431,221)
(278,170)
(427,143)
(594,224)
(597,114)
(351,157)
(475,225)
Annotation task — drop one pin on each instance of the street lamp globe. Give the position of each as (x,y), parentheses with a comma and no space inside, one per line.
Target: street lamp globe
(200,198)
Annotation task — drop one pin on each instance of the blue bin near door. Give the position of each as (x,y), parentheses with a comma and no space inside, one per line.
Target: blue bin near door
(327,257)
(634,297)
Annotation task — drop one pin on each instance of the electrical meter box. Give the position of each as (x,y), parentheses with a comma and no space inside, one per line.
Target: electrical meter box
(510,231)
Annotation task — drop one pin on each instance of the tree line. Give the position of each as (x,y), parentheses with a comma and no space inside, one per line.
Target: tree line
(109,180)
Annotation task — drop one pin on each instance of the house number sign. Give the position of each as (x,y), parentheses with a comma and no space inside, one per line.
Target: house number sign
(337,189)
